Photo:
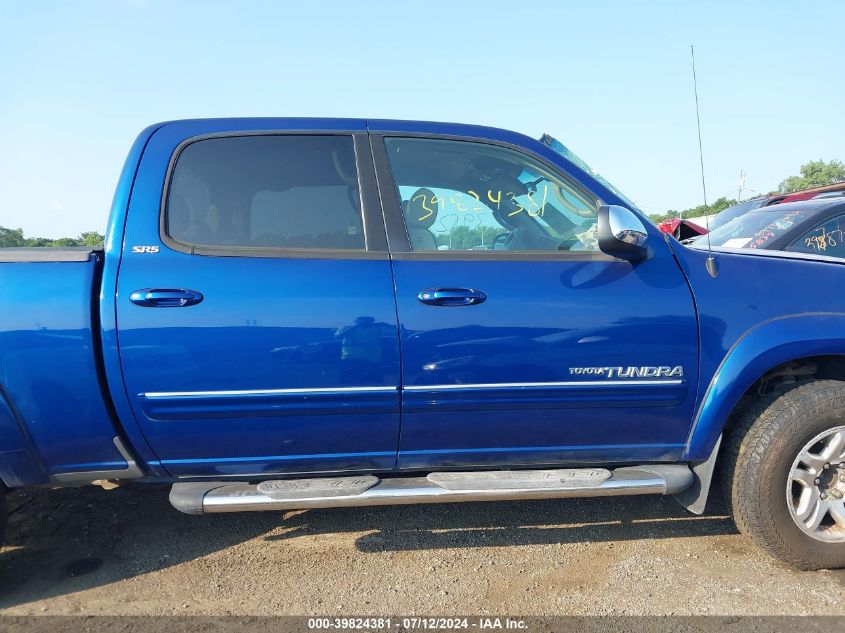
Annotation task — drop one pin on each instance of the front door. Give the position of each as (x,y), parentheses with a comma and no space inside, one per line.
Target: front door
(521,343)
(257,329)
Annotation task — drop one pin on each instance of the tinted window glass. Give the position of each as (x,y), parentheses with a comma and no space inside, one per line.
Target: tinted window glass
(759,228)
(825,239)
(725,216)
(459,195)
(267,191)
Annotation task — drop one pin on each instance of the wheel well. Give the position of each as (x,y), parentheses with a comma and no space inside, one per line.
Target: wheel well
(782,377)
(787,375)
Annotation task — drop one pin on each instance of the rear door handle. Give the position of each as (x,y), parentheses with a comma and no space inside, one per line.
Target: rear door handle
(451,296)
(165,297)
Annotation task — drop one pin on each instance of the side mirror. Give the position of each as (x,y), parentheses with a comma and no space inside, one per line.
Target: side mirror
(621,233)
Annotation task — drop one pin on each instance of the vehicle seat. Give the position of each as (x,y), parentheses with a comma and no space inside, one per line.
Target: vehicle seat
(419,220)
(180,225)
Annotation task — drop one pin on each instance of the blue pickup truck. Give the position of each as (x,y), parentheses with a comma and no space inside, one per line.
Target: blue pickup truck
(301,313)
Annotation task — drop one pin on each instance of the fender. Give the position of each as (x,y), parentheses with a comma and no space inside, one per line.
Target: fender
(760,349)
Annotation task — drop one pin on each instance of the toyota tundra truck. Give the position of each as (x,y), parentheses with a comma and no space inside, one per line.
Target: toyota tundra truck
(313,313)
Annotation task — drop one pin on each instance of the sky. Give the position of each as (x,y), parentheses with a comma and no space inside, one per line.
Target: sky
(611,80)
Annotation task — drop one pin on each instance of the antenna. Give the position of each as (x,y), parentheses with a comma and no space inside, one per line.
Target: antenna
(710,264)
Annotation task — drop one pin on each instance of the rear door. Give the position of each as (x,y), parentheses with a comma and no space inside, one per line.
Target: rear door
(256,319)
(521,342)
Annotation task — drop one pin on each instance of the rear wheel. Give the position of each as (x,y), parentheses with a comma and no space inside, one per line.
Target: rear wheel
(785,475)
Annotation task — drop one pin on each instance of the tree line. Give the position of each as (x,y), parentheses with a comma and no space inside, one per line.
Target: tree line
(816,173)
(15,237)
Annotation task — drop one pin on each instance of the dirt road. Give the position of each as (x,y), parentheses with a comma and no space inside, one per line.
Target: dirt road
(128,552)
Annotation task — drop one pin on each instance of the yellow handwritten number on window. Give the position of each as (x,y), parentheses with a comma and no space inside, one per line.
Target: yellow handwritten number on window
(429,210)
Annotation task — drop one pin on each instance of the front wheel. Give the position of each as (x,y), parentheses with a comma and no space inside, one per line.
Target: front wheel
(785,475)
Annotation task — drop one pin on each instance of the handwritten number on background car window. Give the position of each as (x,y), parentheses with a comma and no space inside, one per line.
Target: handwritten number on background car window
(822,241)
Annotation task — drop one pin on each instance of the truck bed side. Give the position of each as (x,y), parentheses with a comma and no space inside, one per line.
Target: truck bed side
(54,416)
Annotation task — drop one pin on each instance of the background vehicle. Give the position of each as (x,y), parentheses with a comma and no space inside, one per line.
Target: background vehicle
(723,217)
(296,313)
(812,226)
(807,194)
(681,229)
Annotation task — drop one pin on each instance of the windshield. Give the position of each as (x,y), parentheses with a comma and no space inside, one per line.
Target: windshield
(556,146)
(723,217)
(757,229)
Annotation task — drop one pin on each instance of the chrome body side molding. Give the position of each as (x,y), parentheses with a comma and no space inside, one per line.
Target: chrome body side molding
(265,392)
(530,385)
(152,395)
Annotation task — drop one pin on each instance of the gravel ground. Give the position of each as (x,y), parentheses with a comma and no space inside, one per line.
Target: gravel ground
(126,551)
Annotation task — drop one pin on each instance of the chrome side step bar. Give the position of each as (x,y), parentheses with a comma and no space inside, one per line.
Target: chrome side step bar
(441,487)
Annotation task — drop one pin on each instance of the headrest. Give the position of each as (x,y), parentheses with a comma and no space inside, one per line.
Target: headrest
(420,210)
(178,214)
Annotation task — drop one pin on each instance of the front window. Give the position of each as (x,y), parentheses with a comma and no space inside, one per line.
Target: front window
(460,196)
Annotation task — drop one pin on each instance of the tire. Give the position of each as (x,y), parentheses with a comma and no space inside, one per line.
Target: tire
(760,460)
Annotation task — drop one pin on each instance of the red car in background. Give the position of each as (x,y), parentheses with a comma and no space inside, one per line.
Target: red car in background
(807,194)
(681,229)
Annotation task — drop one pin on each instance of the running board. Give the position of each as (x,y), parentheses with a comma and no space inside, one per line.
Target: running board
(441,487)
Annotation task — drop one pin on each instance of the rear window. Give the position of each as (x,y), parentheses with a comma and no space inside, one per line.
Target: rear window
(298,192)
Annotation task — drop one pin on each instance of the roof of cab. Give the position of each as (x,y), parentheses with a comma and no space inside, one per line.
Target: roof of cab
(187,128)
(192,126)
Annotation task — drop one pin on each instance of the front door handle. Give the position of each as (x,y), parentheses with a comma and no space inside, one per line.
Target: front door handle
(165,297)
(451,296)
